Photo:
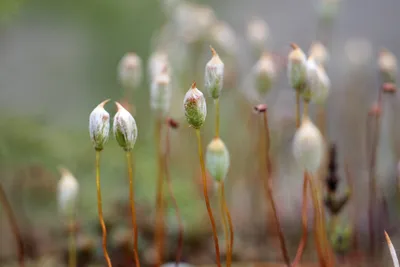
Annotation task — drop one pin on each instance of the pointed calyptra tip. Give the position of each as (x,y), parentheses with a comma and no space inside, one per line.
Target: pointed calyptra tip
(102,104)
(387,237)
(213,52)
(294,46)
(63,171)
(193,85)
(119,106)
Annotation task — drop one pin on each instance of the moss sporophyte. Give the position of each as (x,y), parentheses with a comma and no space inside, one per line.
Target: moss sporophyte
(195,107)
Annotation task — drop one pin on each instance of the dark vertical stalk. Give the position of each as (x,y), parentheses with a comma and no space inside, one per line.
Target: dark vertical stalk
(100,210)
(173,199)
(129,157)
(14,226)
(159,200)
(206,198)
(268,189)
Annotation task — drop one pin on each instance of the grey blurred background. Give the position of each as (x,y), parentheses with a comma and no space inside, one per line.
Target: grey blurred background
(58,60)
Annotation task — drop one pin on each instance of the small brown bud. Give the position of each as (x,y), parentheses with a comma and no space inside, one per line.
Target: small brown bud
(260,108)
(172,123)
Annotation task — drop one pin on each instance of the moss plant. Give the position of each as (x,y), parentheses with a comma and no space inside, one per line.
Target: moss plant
(308,151)
(130,72)
(217,163)
(14,226)
(229,219)
(173,124)
(160,100)
(68,189)
(267,184)
(125,132)
(297,75)
(195,108)
(160,190)
(99,126)
(217,158)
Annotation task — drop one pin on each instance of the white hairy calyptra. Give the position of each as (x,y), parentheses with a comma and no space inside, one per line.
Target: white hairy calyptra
(264,74)
(297,68)
(257,33)
(224,38)
(319,52)
(217,159)
(387,63)
(130,71)
(318,83)
(157,62)
(124,128)
(195,107)
(99,126)
(214,75)
(308,146)
(67,192)
(160,93)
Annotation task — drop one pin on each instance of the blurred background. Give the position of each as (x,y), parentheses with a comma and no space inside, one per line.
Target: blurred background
(59,59)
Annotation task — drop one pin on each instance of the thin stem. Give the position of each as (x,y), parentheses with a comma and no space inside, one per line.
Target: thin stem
(206,198)
(14,226)
(304,222)
(317,221)
(269,193)
(159,200)
(174,202)
(297,109)
(72,244)
(354,206)
(304,219)
(229,218)
(223,219)
(129,163)
(100,210)
(372,180)
(216,101)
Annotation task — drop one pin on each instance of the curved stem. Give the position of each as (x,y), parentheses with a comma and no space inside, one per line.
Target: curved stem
(159,200)
(14,226)
(217,117)
(100,210)
(206,198)
(132,206)
(269,193)
(229,218)
(174,202)
(72,245)
(223,219)
(304,222)
(392,251)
